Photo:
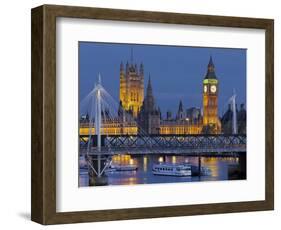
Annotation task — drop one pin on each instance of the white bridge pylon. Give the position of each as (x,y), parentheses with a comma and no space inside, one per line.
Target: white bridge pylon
(102,109)
(232,101)
(98,120)
(94,102)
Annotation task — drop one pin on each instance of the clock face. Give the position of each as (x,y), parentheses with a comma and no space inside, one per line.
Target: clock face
(205,88)
(213,88)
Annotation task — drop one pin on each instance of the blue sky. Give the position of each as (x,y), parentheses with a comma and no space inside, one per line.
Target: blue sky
(177,72)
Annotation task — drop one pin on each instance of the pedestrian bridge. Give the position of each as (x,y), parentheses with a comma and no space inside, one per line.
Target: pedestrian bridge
(193,145)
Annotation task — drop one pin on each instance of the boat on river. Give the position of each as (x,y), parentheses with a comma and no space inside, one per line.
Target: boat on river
(179,169)
(120,167)
(171,169)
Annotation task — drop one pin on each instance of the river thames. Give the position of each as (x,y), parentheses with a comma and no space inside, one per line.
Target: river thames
(220,169)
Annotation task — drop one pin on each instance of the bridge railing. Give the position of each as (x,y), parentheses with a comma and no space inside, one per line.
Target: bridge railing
(160,142)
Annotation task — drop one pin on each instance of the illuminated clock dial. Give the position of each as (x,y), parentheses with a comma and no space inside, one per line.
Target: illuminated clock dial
(205,88)
(213,88)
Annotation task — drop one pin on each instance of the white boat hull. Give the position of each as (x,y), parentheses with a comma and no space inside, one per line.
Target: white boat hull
(169,169)
(120,168)
(188,173)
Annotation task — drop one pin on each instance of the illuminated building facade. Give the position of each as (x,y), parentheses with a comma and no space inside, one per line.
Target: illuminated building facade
(211,121)
(144,115)
(180,127)
(111,128)
(131,90)
(185,122)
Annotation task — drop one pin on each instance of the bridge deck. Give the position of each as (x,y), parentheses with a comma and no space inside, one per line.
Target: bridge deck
(207,145)
(183,152)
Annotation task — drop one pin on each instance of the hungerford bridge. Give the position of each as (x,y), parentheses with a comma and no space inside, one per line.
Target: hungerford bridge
(98,149)
(189,145)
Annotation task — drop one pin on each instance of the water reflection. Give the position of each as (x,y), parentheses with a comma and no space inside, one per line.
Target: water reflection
(143,175)
(145,163)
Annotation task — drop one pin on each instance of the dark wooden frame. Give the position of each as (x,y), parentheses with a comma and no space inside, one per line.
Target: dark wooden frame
(43,188)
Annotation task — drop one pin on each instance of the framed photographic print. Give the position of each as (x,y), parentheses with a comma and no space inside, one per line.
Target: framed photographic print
(141,114)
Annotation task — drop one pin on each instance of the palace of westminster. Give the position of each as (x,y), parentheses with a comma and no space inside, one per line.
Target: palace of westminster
(143,116)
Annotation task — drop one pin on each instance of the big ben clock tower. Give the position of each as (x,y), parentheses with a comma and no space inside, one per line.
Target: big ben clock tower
(211,122)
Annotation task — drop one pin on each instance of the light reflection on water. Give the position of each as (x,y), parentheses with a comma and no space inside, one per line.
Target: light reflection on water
(144,175)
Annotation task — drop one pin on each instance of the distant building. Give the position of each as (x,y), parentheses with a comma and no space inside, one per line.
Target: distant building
(194,114)
(139,114)
(227,120)
(149,116)
(185,122)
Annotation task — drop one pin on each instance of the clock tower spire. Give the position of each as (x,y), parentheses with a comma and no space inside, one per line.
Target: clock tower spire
(211,122)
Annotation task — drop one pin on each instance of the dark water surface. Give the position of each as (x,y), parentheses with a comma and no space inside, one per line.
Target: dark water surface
(143,175)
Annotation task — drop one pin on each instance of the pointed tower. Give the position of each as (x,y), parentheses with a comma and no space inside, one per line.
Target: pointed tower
(132,56)
(181,113)
(149,87)
(141,69)
(122,87)
(149,96)
(149,117)
(211,122)
(211,70)
(127,67)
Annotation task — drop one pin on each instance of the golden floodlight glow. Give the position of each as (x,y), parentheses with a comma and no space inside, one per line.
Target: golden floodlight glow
(174,159)
(210,81)
(144,163)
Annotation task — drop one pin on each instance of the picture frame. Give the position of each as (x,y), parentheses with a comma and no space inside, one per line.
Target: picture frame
(44,92)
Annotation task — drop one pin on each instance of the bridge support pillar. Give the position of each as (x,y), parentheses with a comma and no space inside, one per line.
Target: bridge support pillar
(98,181)
(100,178)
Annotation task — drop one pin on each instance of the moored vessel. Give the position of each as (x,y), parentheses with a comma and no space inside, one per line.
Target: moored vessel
(172,169)
(122,168)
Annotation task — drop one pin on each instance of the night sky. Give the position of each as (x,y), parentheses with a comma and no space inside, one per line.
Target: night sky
(177,72)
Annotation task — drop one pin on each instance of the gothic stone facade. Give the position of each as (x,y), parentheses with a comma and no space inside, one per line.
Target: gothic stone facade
(131,90)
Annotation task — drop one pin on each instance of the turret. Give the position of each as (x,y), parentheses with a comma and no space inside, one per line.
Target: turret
(121,67)
(181,113)
(141,69)
(149,88)
(180,107)
(132,56)
(149,99)
(169,115)
(127,67)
